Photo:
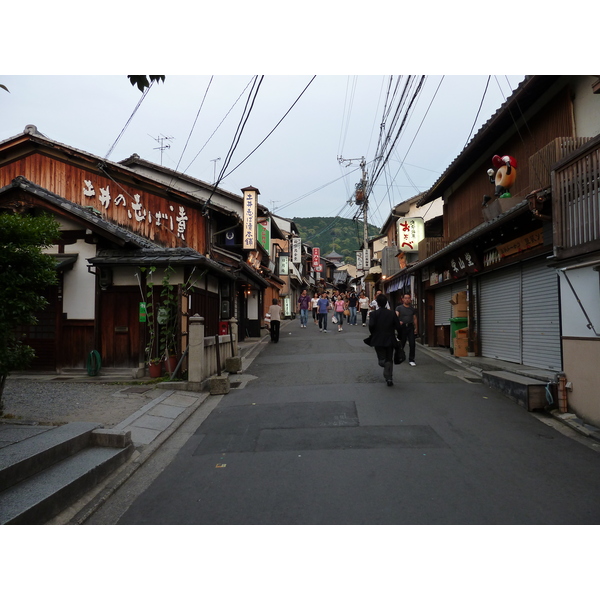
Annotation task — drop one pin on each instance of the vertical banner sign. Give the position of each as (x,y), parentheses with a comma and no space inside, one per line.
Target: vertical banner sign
(296,251)
(366,259)
(287,306)
(249,220)
(143,312)
(359,260)
(284,265)
(316,258)
(263,234)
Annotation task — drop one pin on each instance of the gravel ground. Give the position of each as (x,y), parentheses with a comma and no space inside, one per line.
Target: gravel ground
(58,402)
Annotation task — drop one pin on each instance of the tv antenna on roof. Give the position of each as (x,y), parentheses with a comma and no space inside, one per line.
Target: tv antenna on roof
(161,139)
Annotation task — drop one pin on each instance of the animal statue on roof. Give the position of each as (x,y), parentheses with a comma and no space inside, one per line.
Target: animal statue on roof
(503,177)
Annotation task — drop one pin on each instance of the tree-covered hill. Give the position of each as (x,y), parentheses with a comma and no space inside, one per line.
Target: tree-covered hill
(345,236)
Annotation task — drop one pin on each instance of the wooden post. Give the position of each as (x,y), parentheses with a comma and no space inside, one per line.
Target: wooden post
(233,335)
(218,351)
(196,349)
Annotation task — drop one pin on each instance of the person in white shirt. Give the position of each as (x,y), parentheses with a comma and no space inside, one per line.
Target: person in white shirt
(275,312)
(363,305)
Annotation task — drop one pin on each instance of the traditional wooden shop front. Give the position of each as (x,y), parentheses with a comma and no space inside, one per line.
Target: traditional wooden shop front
(497,236)
(113,222)
(512,294)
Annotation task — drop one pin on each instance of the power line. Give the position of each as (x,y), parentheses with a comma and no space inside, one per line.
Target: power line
(195,121)
(145,93)
(219,125)
(478,111)
(272,130)
(241,125)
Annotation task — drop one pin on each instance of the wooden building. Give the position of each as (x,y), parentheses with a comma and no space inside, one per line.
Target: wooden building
(502,248)
(124,234)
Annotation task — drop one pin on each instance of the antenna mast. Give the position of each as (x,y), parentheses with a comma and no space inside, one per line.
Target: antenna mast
(161,139)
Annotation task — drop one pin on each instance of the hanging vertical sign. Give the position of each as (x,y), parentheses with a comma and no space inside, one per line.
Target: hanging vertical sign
(359,260)
(316,258)
(143,312)
(366,259)
(249,208)
(284,265)
(296,251)
(263,233)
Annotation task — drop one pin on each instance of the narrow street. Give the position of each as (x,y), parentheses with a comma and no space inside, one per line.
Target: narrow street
(316,437)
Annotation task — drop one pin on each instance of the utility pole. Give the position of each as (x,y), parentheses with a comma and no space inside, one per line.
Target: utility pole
(360,196)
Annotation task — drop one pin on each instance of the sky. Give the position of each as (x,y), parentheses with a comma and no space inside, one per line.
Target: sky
(65,65)
(297,168)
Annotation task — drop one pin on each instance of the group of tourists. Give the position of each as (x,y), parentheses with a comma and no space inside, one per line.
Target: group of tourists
(389,329)
(343,306)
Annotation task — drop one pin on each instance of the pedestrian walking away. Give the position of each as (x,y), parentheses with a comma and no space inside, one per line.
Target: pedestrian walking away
(407,316)
(352,307)
(275,312)
(383,325)
(363,305)
(324,307)
(304,304)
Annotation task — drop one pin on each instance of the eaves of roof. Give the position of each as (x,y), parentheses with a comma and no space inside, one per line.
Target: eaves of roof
(90,217)
(147,257)
(134,159)
(519,209)
(524,96)
(33,137)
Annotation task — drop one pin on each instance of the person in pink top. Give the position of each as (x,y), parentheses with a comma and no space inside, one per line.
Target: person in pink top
(340,305)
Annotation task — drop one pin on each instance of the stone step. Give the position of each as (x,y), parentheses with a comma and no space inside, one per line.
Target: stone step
(37,499)
(34,454)
(528,392)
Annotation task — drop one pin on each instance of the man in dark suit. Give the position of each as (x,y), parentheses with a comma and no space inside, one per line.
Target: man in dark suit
(383,325)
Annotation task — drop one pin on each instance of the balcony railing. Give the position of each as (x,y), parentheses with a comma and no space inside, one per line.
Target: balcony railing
(576,201)
(429,246)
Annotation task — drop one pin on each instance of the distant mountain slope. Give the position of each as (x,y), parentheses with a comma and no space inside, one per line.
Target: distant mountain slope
(345,236)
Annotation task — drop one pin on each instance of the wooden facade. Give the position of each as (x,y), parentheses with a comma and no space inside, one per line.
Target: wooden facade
(141,209)
(464,204)
(108,208)
(576,197)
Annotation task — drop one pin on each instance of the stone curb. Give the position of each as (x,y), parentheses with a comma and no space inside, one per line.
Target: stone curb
(110,486)
(137,460)
(569,419)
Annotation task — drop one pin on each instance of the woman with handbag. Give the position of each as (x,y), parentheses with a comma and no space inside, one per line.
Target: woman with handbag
(340,306)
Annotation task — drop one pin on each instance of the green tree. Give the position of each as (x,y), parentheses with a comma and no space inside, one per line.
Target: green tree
(144,81)
(25,271)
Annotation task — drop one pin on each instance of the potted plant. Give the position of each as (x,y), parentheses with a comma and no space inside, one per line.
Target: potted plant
(153,357)
(166,317)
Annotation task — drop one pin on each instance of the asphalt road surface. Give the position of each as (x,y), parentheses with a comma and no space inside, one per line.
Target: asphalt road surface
(318,438)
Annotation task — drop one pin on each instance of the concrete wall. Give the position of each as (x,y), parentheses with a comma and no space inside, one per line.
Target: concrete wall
(586,283)
(581,358)
(79,284)
(586,107)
